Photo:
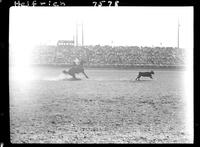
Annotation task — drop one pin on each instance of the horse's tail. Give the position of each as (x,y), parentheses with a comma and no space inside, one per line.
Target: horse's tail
(65,72)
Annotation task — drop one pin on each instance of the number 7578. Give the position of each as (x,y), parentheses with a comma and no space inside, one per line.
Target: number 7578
(105,3)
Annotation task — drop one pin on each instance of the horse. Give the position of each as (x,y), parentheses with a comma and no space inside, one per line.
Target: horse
(76,69)
(145,74)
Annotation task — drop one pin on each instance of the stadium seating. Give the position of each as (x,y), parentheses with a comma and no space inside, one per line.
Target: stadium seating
(107,55)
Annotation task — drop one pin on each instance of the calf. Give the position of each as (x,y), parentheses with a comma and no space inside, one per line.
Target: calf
(145,74)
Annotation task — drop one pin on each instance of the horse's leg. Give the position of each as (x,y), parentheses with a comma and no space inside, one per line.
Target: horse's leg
(65,72)
(85,74)
(151,77)
(73,75)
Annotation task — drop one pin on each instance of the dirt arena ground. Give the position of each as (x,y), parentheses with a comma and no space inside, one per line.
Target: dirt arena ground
(109,107)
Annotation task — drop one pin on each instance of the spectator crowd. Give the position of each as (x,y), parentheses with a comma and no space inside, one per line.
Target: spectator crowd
(108,55)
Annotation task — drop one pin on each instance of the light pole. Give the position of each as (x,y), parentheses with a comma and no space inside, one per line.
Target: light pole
(178,32)
(78,25)
(82,35)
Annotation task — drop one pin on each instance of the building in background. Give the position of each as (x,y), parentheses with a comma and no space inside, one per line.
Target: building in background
(65,43)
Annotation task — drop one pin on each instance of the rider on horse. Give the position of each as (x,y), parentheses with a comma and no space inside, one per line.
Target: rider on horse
(76,68)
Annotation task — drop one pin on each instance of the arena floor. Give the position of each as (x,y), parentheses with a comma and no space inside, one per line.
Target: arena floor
(109,107)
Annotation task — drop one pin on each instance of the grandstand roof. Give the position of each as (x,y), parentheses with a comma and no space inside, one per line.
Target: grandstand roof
(65,42)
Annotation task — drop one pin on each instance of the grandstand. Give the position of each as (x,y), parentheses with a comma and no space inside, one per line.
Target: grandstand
(108,56)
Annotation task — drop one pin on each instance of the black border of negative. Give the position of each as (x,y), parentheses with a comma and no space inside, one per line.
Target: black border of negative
(4,53)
